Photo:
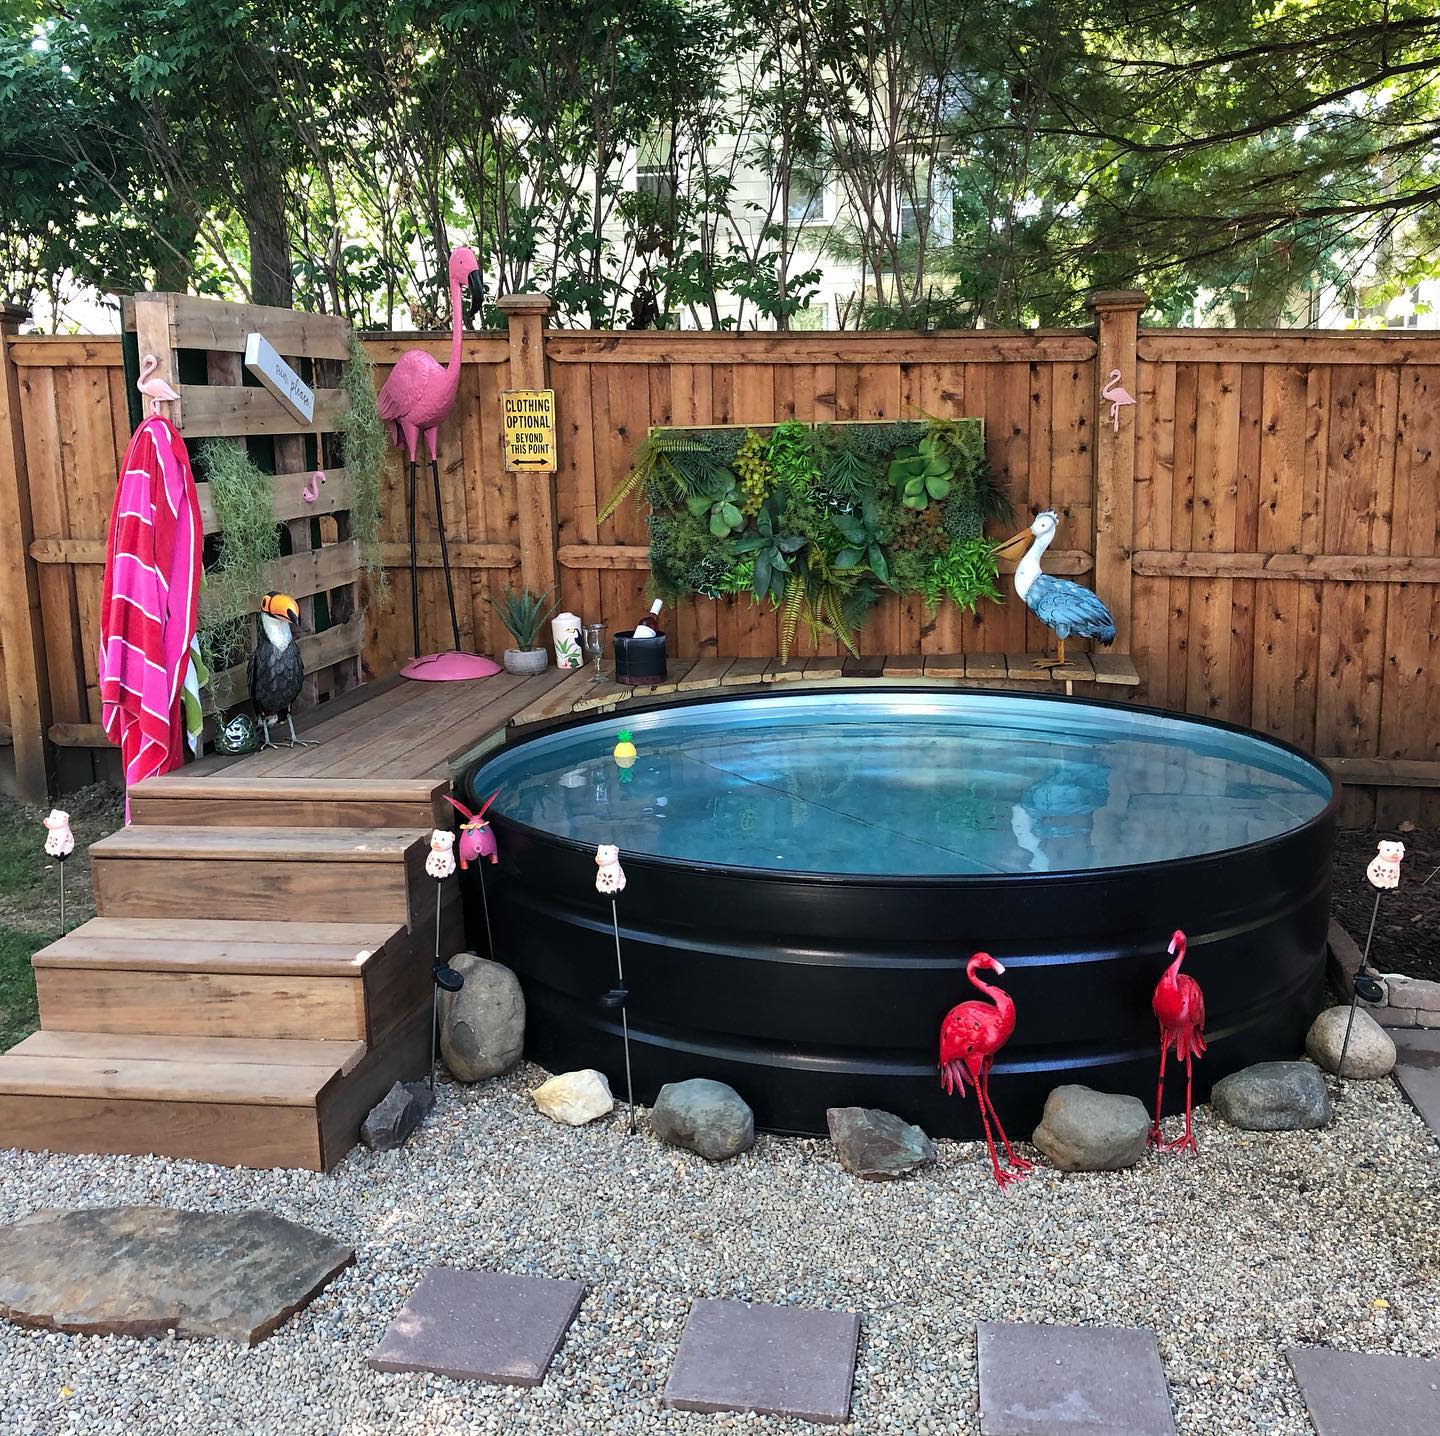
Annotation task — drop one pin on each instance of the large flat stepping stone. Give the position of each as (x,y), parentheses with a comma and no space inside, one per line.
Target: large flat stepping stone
(1352,1393)
(143,1271)
(1417,1070)
(480,1326)
(1052,1380)
(775,1360)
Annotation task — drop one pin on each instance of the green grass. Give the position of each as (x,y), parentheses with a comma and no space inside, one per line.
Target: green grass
(29,895)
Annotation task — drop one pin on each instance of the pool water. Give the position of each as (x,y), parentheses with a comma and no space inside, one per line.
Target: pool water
(906,783)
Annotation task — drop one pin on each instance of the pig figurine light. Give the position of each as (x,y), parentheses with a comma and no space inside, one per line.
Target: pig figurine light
(477,837)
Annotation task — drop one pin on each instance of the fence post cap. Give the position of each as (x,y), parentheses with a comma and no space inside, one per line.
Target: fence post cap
(1104,299)
(15,314)
(524,304)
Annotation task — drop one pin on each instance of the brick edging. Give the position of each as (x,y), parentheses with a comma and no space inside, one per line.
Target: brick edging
(1409,1001)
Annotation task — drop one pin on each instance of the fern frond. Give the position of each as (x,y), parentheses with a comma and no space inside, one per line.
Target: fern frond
(622,491)
(790,614)
(835,614)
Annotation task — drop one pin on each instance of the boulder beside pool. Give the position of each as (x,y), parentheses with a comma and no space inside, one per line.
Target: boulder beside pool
(1082,1130)
(147,1271)
(482,1027)
(709,1118)
(876,1145)
(1274,1097)
(575,1098)
(1370,1055)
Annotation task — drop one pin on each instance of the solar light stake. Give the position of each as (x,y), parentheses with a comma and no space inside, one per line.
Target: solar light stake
(1382,874)
(610,880)
(59,844)
(440,865)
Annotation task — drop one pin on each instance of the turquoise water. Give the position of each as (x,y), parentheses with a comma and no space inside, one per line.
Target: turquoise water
(907,783)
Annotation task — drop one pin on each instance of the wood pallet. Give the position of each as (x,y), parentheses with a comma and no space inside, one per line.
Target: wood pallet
(193,337)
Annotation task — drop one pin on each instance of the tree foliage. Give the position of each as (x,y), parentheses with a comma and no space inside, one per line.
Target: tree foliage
(991,161)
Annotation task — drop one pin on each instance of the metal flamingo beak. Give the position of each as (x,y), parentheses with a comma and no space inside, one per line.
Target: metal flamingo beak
(999,967)
(476,286)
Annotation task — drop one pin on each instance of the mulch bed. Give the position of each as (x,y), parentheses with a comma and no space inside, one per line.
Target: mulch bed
(1407,935)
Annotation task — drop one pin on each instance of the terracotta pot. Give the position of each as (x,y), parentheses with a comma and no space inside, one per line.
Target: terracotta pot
(526,662)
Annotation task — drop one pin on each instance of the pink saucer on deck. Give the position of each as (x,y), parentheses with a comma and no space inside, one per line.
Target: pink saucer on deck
(449,667)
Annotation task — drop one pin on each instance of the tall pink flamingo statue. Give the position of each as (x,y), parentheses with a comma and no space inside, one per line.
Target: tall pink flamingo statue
(154,388)
(1179,1008)
(1117,396)
(416,399)
(970,1036)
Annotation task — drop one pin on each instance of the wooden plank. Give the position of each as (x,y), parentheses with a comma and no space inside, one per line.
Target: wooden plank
(990,346)
(288,497)
(323,1057)
(707,673)
(1116,668)
(1114,474)
(559,701)
(871,665)
(1287,346)
(602,696)
(986,665)
(1077,668)
(745,671)
(534,492)
(214,324)
(1386,772)
(22,640)
(201,1003)
(316,571)
(293,845)
(64,351)
(220,411)
(1020,668)
(463,557)
(618,555)
(675,671)
(905,665)
(1340,567)
(786,671)
(820,668)
(945,665)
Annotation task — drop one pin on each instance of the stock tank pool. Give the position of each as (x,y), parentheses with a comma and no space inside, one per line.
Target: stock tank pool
(808,873)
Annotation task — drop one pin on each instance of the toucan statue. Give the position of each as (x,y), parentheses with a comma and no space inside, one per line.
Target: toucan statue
(276,669)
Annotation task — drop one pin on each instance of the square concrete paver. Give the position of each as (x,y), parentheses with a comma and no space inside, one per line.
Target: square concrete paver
(480,1326)
(1417,1069)
(1352,1393)
(1051,1380)
(777,1360)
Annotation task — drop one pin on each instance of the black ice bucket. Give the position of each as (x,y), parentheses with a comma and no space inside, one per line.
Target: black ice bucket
(639,661)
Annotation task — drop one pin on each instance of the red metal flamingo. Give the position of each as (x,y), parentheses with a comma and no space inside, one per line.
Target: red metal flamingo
(1179,1008)
(970,1036)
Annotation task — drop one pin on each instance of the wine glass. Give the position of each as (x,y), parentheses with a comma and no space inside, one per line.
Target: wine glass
(595,647)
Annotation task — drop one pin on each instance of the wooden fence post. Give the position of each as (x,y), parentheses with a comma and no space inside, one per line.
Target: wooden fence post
(21,634)
(534,492)
(1117,318)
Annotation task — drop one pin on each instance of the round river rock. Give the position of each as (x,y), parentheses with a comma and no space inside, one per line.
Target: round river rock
(1371,1054)
(1274,1097)
(702,1116)
(1082,1130)
(482,1029)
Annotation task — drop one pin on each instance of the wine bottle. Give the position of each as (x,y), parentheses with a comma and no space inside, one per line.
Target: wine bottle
(646,627)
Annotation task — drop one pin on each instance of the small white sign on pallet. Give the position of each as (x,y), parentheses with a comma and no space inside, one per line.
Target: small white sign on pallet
(279,378)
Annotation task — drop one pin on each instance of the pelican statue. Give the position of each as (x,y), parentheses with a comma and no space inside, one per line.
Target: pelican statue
(1062,606)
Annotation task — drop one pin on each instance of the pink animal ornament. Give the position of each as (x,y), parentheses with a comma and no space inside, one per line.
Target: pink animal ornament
(610,879)
(1384,869)
(311,491)
(440,862)
(1116,396)
(477,837)
(59,840)
(155,389)
(416,400)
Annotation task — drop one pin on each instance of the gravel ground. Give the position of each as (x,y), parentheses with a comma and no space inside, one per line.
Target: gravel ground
(1322,1238)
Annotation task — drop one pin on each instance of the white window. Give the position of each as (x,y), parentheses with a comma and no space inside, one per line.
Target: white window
(933,210)
(656,181)
(806,196)
(815,315)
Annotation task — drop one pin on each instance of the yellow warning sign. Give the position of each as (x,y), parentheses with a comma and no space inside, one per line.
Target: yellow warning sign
(529,429)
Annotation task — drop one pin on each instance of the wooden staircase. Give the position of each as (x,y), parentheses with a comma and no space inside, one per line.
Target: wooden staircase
(256,978)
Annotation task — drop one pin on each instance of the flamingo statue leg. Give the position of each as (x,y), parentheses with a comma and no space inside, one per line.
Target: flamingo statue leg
(414,570)
(1187,1142)
(1018,1165)
(1154,1139)
(444,551)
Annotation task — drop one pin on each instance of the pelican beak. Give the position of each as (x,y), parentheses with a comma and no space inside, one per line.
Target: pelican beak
(1011,550)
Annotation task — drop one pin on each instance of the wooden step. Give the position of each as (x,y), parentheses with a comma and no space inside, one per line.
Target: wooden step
(258,802)
(234,1101)
(263,875)
(218,1099)
(334,981)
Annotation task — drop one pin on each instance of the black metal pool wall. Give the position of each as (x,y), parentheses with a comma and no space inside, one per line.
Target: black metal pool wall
(811,992)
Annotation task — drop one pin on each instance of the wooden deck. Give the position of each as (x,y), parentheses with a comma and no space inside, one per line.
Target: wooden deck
(258,972)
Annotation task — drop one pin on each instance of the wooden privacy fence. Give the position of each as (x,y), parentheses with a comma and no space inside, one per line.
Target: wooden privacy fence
(1263,522)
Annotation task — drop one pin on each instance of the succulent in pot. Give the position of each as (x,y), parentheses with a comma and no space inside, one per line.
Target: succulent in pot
(524,614)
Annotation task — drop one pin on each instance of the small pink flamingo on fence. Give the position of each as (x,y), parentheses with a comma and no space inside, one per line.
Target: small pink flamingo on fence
(1117,396)
(154,389)
(311,491)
